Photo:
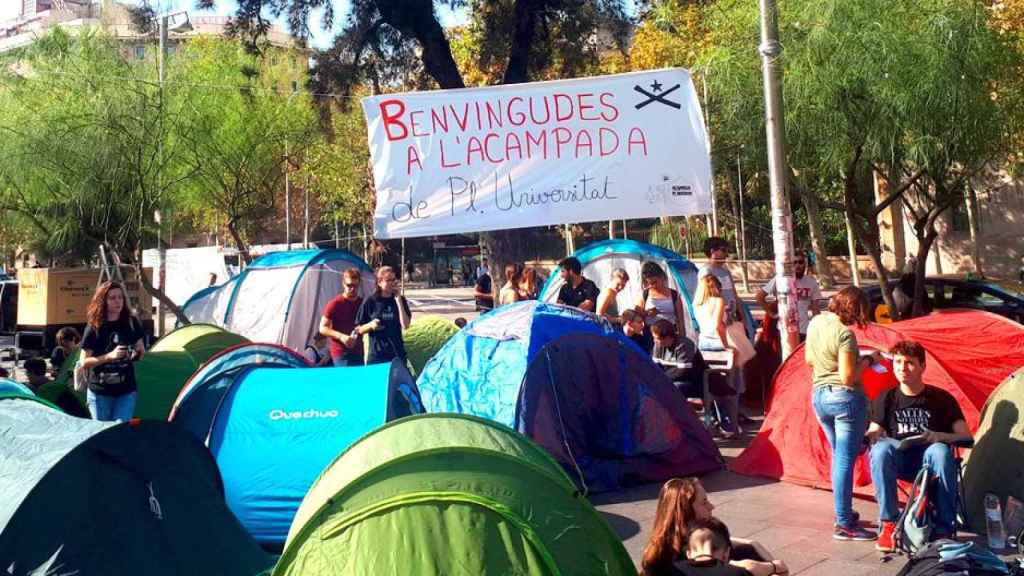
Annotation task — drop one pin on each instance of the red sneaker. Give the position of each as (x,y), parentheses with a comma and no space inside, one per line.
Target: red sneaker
(885,542)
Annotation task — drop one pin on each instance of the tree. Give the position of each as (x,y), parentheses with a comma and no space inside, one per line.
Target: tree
(526,39)
(86,153)
(243,134)
(900,90)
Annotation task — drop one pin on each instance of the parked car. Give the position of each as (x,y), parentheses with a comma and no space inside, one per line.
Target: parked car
(958,293)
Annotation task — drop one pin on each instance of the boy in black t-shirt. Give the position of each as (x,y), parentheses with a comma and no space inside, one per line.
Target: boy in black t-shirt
(911,427)
(577,290)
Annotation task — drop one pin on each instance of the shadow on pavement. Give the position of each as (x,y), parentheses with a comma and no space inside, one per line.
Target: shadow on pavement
(625,527)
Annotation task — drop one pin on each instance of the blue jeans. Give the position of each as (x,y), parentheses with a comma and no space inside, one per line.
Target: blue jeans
(108,408)
(348,360)
(889,463)
(842,414)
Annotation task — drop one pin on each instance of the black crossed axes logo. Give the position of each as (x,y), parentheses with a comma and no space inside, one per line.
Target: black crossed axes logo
(656,95)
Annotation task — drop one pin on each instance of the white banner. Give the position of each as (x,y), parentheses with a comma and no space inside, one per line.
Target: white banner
(585,150)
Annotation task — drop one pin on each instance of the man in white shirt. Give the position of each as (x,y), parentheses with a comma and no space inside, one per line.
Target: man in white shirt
(808,293)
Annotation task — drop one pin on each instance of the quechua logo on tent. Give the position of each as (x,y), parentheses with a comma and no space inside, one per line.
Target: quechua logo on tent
(311,414)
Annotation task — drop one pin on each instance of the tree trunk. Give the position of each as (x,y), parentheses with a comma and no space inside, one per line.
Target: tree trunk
(522,37)
(416,18)
(971,198)
(924,245)
(824,271)
(868,240)
(243,248)
(504,247)
(154,292)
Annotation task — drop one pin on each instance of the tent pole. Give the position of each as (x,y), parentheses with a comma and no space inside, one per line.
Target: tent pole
(611,229)
(625,230)
(401,272)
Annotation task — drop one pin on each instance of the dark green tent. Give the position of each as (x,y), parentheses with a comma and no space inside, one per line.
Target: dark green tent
(452,495)
(171,362)
(996,464)
(101,498)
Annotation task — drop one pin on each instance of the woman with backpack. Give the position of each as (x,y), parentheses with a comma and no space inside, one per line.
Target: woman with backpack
(658,301)
(113,340)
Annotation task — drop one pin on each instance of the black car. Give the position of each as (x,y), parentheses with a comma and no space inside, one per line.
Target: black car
(974,294)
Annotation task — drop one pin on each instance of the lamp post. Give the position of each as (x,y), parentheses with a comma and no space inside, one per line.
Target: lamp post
(163,22)
(288,184)
(778,172)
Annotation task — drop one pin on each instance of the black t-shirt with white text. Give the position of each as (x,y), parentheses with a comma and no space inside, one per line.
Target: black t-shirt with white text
(570,296)
(903,416)
(386,342)
(109,336)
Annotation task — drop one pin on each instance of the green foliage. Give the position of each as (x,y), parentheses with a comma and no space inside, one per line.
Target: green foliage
(241,131)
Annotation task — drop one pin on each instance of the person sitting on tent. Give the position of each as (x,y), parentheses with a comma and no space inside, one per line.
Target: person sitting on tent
(607,302)
(338,323)
(384,315)
(681,502)
(912,426)
(634,327)
(678,356)
(509,293)
(808,292)
(112,341)
(707,550)
(577,291)
(482,291)
(68,340)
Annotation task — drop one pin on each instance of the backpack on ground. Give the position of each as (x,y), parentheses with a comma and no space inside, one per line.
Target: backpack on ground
(951,557)
(914,526)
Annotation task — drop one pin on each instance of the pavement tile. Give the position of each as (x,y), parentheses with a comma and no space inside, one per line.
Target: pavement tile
(835,567)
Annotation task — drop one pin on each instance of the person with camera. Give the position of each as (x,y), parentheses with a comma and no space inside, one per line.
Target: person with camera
(113,340)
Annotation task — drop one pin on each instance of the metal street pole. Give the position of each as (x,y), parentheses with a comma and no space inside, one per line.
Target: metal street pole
(713,221)
(161,249)
(778,172)
(305,218)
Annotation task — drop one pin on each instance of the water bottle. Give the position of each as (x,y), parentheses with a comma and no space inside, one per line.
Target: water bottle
(994,522)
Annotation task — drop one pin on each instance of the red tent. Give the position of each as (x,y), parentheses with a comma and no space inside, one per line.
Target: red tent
(969,353)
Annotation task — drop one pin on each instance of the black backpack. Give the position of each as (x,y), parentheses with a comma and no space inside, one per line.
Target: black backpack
(960,558)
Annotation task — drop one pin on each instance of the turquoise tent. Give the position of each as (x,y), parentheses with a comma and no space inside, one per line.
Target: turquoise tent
(600,258)
(273,423)
(444,494)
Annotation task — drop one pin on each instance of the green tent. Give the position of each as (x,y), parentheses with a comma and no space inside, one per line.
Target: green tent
(425,337)
(106,498)
(996,464)
(173,359)
(446,494)
(11,390)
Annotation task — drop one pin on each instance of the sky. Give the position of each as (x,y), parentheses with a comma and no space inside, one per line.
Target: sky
(321,39)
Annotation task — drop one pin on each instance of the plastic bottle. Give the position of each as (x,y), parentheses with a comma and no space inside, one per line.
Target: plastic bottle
(994,522)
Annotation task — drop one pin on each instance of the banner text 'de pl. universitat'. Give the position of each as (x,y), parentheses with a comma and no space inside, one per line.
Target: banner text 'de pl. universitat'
(585,150)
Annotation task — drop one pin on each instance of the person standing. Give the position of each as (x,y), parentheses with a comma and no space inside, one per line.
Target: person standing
(529,285)
(338,323)
(112,341)
(607,302)
(838,397)
(710,308)
(577,290)
(509,293)
(658,301)
(808,293)
(482,292)
(482,268)
(384,315)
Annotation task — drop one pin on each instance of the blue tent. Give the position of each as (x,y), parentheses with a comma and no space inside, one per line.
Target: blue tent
(600,258)
(577,387)
(479,370)
(273,423)
(280,297)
